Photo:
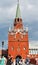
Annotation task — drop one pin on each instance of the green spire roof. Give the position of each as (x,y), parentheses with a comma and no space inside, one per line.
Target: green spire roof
(18,13)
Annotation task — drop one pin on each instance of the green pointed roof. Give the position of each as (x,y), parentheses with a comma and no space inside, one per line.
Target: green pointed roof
(18,13)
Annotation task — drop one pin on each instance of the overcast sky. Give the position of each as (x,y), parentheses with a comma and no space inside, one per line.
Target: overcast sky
(29,14)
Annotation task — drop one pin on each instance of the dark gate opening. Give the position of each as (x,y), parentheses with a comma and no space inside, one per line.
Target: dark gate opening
(18,58)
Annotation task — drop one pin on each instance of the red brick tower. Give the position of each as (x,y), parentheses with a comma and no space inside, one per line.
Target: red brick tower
(18,38)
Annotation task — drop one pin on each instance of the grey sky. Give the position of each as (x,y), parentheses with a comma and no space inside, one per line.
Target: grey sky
(29,13)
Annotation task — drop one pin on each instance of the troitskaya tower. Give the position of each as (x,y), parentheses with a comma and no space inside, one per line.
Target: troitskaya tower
(18,38)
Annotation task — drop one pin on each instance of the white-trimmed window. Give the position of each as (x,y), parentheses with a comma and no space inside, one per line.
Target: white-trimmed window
(12,48)
(24,48)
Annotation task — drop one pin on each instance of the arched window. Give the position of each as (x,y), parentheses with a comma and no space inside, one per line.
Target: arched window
(12,48)
(24,48)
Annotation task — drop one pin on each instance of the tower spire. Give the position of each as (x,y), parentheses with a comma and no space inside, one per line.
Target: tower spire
(18,13)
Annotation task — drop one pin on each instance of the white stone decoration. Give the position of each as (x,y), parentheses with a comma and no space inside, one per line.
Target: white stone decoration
(15,30)
(18,30)
(26,29)
(9,29)
(24,32)
(12,33)
(24,48)
(21,30)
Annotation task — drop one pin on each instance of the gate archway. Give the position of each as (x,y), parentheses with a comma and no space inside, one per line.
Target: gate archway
(18,57)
